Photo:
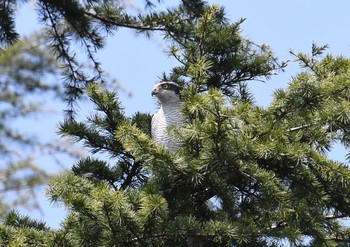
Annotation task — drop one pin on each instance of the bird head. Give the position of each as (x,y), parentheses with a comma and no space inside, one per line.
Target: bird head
(167,92)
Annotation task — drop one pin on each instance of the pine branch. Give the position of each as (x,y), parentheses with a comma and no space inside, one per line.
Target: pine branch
(131,174)
(107,213)
(8,35)
(305,126)
(192,235)
(73,75)
(339,240)
(124,24)
(57,35)
(332,217)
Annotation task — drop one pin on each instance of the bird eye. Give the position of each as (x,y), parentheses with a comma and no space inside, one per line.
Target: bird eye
(165,86)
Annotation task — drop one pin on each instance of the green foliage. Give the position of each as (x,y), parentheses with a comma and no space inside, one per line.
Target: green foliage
(28,71)
(244,176)
(201,39)
(212,53)
(265,168)
(17,230)
(7,23)
(98,134)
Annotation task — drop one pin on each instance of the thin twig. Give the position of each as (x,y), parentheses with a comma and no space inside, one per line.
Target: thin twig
(132,173)
(331,217)
(301,127)
(121,24)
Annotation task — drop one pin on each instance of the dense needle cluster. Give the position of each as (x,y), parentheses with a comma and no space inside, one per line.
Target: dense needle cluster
(243,175)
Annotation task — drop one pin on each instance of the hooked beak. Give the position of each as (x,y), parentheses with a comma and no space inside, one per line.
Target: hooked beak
(154,92)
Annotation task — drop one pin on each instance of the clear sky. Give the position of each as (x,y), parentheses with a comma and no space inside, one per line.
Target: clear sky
(138,62)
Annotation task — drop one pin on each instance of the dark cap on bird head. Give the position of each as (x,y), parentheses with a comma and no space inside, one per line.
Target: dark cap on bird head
(166,85)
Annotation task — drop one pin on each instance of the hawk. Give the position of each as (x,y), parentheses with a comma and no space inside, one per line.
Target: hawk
(168,94)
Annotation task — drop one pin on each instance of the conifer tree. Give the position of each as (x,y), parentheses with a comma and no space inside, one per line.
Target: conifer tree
(244,176)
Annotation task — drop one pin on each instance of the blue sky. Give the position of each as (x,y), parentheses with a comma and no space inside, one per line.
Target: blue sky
(138,62)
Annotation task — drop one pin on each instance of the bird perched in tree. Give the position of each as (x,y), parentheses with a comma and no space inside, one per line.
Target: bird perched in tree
(168,94)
